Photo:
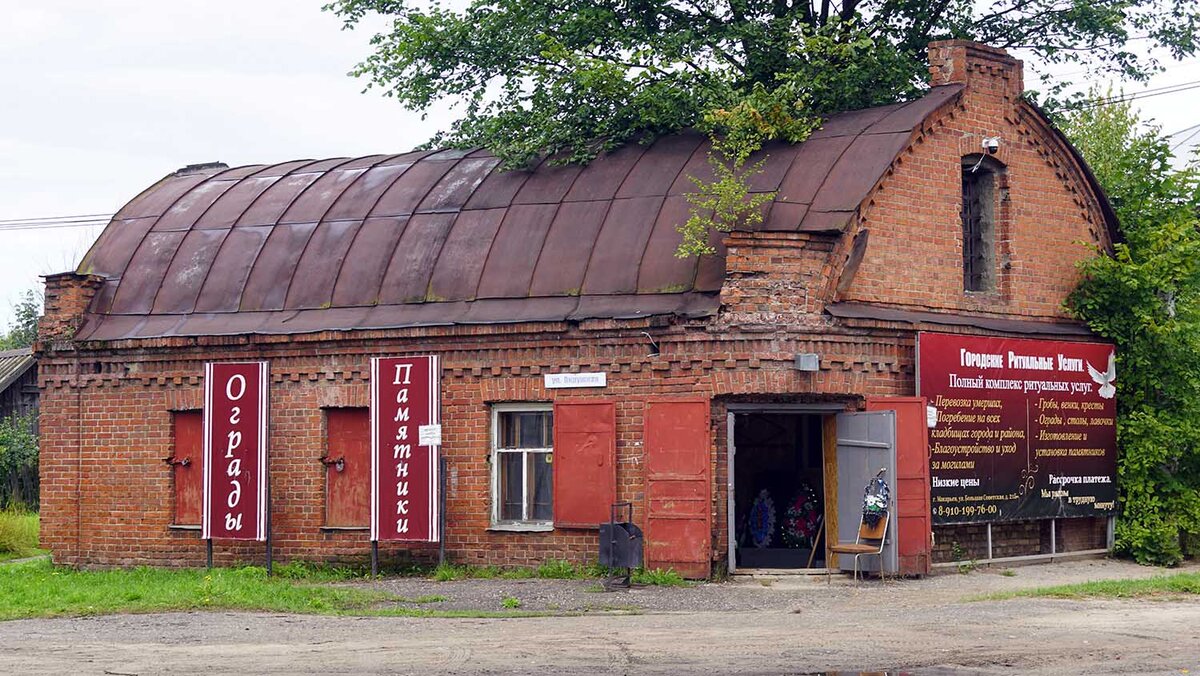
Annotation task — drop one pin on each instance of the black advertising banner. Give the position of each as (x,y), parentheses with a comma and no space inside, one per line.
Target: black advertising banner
(1025,429)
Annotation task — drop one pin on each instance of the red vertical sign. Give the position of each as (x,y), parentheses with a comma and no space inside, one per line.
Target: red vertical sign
(405,438)
(235,451)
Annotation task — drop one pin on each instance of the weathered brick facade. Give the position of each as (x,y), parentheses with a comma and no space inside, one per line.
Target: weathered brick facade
(107,404)
(1042,222)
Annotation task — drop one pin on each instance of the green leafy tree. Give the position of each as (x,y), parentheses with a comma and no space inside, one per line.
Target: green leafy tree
(574,78)
(23,330)
(1146,298)
(19,462)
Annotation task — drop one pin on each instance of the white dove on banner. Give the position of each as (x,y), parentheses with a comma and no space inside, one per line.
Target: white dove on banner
(1105,380)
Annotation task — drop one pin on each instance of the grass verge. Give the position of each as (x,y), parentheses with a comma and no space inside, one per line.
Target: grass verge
(1179,583)
(18,534)
(40,589)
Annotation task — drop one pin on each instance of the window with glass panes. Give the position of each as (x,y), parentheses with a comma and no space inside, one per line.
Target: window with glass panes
(522,453)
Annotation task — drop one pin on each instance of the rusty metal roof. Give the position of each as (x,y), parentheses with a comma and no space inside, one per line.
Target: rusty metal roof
(13,365)
(437,238)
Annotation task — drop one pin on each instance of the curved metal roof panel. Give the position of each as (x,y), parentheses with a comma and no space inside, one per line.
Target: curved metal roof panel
(441,237)
(567,248)
(369,254)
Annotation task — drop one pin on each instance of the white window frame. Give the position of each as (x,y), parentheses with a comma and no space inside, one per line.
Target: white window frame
(496,522)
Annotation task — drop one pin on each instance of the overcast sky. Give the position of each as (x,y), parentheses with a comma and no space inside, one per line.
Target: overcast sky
(98,100)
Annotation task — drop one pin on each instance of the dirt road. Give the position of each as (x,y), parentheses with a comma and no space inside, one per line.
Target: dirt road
(788,626)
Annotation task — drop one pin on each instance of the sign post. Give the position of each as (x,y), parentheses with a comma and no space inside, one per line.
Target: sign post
(1023,429)
(236,491)
(406,438)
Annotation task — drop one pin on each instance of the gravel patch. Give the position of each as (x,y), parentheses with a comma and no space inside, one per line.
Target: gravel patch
(783,593)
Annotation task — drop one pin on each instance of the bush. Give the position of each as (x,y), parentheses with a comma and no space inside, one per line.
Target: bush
(19,462)
(1146,299)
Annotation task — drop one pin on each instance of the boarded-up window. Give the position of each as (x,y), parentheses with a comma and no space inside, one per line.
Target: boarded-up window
(585,463)
(978,225)
(347,467)
(186,465)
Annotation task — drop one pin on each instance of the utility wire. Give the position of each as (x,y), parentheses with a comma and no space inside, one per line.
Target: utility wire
(1182,131)
(1083,71)
(1126,98)
(1188,138)
(1148,93)
(54,218)
(16,227)
(53,222)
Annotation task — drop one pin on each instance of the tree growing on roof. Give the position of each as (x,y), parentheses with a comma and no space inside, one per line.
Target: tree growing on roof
(1146,299)
(575,78)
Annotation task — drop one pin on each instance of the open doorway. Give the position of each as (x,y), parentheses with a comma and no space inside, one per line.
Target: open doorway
(779,491)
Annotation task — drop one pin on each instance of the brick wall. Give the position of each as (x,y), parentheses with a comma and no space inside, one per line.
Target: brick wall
(1045,221)
(109,424)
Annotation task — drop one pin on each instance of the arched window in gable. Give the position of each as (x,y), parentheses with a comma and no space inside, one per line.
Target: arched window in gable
(980,184)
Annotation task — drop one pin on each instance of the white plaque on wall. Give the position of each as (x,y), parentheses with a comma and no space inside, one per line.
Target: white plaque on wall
(429,435)
(559,380)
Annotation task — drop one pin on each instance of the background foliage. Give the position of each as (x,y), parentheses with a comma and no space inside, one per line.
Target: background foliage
(18,434)
(19,462)
(23,330)
(1147,300)
(574,78)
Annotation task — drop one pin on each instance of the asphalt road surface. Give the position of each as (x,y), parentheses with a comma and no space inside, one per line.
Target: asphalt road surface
(782,626)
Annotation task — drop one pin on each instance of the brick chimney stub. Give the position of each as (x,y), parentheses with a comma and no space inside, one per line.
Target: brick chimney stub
(961,61)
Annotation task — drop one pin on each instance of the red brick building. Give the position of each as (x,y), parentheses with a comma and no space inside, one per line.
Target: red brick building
(318,266)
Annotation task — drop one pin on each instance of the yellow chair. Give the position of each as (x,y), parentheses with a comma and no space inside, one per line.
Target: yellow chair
(870,541)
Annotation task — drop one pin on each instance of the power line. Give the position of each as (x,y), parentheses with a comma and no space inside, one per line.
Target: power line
(16,227)
(1084,71)
(1145,94)
(1188,138)
(53,222)
(38,219)
(1183,131)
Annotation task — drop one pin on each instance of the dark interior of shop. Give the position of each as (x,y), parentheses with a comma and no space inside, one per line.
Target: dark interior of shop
(779,495)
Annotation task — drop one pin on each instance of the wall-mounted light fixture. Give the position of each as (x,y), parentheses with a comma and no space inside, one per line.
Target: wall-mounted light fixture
(808,361)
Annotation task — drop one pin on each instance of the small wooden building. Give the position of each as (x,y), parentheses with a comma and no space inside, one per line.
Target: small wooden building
(18,383)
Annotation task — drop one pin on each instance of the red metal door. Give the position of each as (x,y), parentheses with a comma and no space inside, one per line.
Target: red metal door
(913,516)
(189,458)
(678,487)
(585,463)
(348,467)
